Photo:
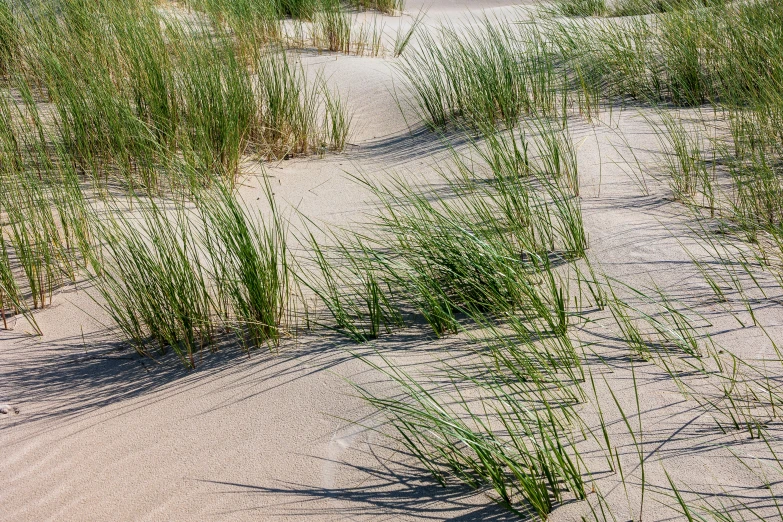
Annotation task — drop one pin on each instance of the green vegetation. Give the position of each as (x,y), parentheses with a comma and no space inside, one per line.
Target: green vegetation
(160,104)
(124,130)
(723,55)
(97,95)
(160,290)
(625,7)
(481,74)
(483,252)
(716,60)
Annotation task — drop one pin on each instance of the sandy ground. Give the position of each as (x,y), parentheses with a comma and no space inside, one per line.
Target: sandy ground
(104,435)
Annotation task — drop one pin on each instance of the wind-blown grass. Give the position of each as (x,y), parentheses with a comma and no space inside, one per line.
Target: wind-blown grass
(250,265)
(384,6)
(150,94)
(482,74)
(11,296)
(10,37)
(490,250)
(577,7)
(498,72)
(719,54)
(514,441)
(180,276)
(154,285)
(493,260)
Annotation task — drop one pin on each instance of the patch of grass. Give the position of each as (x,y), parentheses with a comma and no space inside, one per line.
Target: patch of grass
(34,236)
(353,287)
(11,297)
(578,8)
(491,250)
(490,72)
(250,264)
(384,6)
(513,440)
(403,38)
(10,37)
(154,285)
(176,277)
(148,94)
(333,27)
(643,7)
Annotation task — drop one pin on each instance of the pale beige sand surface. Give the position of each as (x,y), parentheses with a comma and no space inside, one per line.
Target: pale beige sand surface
(103,434)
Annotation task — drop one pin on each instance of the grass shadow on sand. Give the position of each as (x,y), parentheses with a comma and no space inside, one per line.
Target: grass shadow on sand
(391,490)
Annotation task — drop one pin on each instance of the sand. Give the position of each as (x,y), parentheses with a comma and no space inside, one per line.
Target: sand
(103,434)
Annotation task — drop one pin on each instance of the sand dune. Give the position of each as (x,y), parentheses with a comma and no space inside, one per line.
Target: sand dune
(103,434)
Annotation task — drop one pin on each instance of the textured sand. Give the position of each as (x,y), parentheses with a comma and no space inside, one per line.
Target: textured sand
(104,435)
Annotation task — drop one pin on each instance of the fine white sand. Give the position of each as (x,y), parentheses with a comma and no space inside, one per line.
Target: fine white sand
(103,434)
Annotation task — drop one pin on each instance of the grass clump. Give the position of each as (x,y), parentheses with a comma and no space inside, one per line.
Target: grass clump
(40,246)
(353,287)
(12,300)
(643,7)
(480,75)
(250,264)
(154,285)
(187,275)
(333,27)
(148,95)
(10,37)
(495,72)
(492,248)
(384,6)
(511,437)
(578,7)
(218,107)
